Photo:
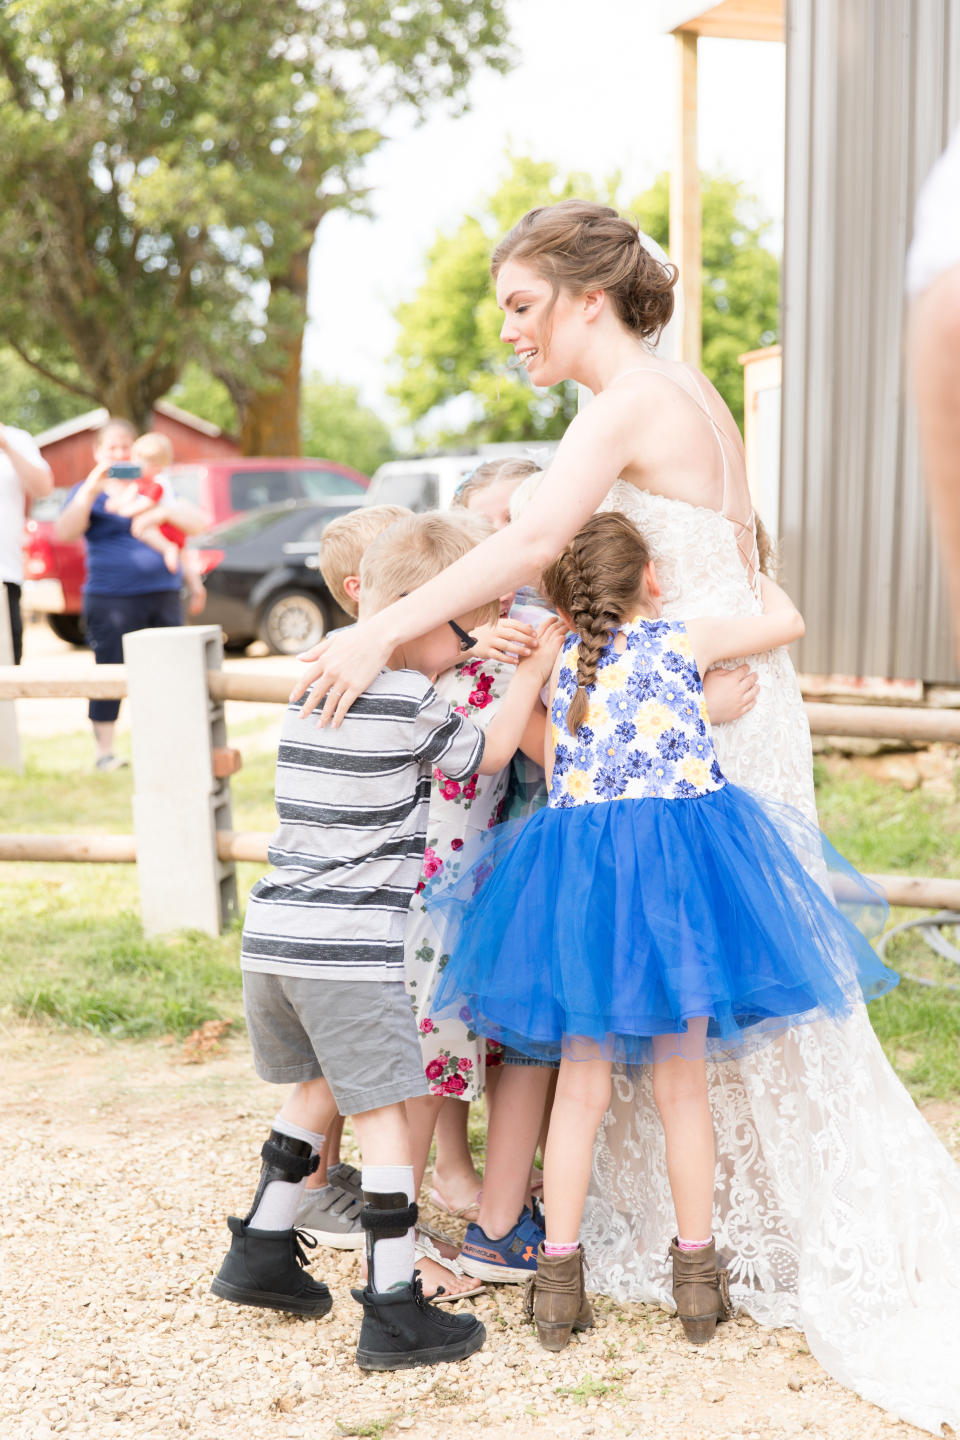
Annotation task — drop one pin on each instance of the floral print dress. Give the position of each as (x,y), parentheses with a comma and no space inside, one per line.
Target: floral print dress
(454,1055)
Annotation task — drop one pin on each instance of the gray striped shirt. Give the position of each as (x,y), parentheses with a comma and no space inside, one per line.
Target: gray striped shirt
(352,805)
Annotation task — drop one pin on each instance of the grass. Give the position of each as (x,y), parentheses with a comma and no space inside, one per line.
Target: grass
(72,950)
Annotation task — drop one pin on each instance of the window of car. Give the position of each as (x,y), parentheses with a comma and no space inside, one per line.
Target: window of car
(417,489)
(320,484)
(268,486)
(248,526)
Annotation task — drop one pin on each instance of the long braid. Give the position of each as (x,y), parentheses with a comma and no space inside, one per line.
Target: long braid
(596,581)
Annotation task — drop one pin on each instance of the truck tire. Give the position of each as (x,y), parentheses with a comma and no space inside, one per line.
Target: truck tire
(291,621)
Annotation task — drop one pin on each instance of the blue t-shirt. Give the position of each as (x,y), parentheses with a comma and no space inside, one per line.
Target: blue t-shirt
(117,562)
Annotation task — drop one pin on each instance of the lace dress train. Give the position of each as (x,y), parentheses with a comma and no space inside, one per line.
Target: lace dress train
(837,1209)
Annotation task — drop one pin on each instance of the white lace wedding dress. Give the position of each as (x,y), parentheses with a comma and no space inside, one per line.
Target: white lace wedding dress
(837,1209)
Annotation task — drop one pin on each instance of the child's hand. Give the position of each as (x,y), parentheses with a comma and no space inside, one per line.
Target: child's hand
(505,642)
(730,693)
(125,502)
(550,637)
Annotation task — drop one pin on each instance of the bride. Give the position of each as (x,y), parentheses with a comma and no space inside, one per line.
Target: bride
(838,1211)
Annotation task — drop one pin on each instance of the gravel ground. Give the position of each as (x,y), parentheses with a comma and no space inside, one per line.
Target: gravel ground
(121,1162)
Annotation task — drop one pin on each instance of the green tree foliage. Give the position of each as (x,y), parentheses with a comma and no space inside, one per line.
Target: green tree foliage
(203,394)
(30,400)
(741,277)
(335,426)
(165,164)
(449,345)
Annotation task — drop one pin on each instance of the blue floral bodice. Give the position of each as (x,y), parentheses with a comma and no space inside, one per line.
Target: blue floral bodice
(647,731)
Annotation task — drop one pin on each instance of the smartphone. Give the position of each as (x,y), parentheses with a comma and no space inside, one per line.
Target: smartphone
(125,470)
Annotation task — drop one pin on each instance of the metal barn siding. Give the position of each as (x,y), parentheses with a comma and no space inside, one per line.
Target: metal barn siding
(873,92)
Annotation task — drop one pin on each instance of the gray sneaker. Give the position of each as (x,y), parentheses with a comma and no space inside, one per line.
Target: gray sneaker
(332,1215)
(347,1177)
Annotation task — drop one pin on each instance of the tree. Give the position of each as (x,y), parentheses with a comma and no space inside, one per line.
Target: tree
(335,426)
(449,345)
(166,164)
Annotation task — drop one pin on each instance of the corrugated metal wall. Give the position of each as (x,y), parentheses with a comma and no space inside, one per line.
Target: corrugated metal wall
(873,91)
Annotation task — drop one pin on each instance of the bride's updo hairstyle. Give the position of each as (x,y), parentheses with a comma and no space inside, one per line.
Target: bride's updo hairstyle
(596,582)
(579,246)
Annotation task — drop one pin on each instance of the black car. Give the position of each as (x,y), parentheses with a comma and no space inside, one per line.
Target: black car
(262,579)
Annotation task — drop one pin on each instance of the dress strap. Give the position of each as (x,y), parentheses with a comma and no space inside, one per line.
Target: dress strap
(745,531)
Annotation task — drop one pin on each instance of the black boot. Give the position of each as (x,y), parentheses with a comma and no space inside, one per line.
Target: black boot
(266,1267)
(401,1329)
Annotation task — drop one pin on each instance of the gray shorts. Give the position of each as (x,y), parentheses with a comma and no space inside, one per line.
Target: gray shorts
(359,1035)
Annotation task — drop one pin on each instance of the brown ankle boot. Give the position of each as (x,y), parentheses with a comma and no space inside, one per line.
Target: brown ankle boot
(700,1290)
(556,1298)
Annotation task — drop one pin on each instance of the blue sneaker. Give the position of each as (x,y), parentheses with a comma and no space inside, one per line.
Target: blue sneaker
(510,1260)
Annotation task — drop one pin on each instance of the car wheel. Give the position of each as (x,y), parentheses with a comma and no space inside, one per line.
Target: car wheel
(292,621)
(69,628)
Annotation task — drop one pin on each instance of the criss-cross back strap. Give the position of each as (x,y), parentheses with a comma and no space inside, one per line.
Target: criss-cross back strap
(745,531)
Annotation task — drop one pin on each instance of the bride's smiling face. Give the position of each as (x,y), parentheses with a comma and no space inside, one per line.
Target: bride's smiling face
(545,333)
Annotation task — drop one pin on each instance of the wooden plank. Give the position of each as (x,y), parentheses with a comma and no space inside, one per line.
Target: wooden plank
(685,211)
(96,849)
(884,722)
(102,682)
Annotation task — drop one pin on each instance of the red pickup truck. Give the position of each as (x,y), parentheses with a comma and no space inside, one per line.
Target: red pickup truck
(54,572)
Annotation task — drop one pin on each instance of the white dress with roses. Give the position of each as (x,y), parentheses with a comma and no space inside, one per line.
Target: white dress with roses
(454,1055)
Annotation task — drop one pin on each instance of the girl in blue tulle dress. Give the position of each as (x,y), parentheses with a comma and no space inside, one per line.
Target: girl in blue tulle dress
(653,912)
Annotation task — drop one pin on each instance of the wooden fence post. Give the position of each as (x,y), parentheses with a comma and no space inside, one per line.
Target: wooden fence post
(178,802)
(10,757)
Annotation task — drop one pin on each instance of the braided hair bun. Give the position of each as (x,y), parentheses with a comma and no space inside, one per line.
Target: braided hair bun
(581,246)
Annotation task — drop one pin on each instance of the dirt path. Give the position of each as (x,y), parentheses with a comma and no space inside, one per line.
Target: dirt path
(121,1162)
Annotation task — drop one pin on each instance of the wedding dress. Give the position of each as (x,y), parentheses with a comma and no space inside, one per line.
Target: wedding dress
(837,1209)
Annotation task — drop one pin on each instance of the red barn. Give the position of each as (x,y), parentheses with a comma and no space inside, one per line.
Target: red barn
(68,448)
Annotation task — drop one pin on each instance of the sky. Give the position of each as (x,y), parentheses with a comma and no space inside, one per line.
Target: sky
(592,90)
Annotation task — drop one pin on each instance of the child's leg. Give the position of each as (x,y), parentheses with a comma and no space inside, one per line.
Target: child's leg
(265,1264)
(388,1189)
(329,1155)
(454,1174)
(680,1092)
(512,1134)
(296,1137)
(171,554)
(582,1098)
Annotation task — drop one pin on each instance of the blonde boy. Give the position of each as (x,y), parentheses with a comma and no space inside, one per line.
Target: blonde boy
(323,955)
(342,546)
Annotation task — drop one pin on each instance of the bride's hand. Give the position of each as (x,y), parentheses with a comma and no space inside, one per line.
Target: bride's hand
(341,667)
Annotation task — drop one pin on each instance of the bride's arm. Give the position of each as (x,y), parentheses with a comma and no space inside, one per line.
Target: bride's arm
(591,455)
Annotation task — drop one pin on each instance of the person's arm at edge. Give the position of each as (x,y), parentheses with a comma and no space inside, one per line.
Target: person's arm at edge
(591,455)
(32,471)
(935,355)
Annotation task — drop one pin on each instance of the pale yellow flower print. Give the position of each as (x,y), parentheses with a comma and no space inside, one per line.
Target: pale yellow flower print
(578,784)
(653,719)
(610,677)
(696,771)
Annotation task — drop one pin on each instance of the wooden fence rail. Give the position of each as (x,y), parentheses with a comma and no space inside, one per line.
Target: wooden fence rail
(110,682)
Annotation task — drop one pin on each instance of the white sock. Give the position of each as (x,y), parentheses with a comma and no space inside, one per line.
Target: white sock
(278,1205)
(393,1258)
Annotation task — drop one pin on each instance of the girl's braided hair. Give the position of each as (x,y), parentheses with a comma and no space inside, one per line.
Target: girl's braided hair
(596,582)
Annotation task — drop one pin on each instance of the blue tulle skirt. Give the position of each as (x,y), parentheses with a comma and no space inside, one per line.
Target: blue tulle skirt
(613,929)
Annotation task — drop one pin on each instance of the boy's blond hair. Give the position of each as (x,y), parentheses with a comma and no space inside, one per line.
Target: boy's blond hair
(153,449)
(416,549)
(345,539)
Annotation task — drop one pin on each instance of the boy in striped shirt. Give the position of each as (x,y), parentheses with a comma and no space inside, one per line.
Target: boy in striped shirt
(322,954)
